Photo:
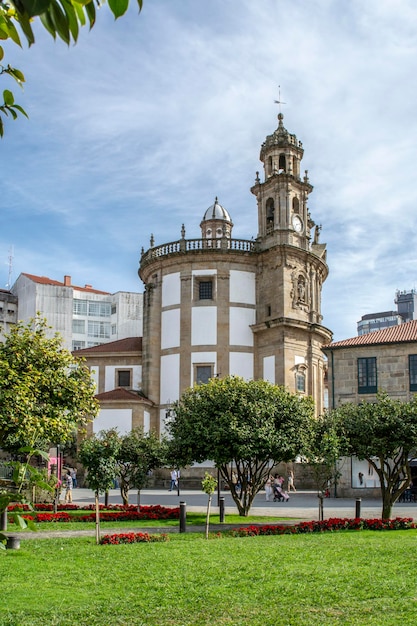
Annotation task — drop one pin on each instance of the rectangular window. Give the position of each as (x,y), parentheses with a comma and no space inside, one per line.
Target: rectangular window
(367,380)
(78,326)
(99,309)
(113,309)
(78,345)
(101,330)
(203,373)
(205,290)
(300,382)
(79,307)
(412,367)
(123,378)
(113,329)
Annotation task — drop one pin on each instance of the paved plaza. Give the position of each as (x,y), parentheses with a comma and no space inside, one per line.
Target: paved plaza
(302,504)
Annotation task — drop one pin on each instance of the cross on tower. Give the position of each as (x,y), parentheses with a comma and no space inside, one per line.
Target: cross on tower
(279,101)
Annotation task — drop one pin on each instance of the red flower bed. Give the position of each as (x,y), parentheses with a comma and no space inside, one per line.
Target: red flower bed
(332,524)
(118,539)
(130,513)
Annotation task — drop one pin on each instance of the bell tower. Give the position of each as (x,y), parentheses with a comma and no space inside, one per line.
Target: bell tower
(291,271)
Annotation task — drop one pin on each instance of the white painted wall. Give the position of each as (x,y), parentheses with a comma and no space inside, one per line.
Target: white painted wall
(129,314)
(170,378)
(241,364)
(113,418)
(110,381)
(171,289)
(242,287)
(146,422)
(170,328)
(240,319)
(269,369)
(203,325)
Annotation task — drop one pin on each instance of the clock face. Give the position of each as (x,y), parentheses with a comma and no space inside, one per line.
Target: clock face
(297,224)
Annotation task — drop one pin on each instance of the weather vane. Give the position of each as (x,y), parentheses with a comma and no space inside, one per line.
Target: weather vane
(279,101)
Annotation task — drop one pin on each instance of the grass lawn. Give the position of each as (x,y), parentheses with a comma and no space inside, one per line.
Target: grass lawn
(193,519)
(351,578)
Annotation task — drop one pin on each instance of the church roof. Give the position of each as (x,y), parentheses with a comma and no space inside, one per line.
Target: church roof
(216,212)
(402,333)
(121,394)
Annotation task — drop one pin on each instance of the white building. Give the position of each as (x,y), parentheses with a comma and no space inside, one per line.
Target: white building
(83,316)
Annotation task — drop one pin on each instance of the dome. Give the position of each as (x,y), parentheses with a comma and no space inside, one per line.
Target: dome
(216,212)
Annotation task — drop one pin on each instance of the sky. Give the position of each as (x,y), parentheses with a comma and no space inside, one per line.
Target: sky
(139,126)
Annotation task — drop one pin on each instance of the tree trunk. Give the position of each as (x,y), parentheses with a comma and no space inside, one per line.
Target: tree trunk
(97,518)
(208,516)
(138,500)
(124,492)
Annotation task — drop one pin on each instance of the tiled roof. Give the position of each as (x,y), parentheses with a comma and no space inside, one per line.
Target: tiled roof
(130,344)
(44,280)
(121,394)
(395,334)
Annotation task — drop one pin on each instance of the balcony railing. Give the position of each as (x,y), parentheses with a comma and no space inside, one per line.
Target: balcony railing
(184,246)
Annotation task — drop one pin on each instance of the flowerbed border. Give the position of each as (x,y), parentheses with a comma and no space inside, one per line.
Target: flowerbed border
(329,525)
(121,538)
(110,514)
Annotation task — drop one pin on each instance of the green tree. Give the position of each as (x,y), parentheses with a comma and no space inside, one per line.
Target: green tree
(208,484)
(138,454)
(59,17)
(322,454)
(98,455)
(384,433)
(243,426)
(45,396)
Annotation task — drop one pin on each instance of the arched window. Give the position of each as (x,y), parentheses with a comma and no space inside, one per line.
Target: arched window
(270,211)
(295,205)
(300,382)
(282,163)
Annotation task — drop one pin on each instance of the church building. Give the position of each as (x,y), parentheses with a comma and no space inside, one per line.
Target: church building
(219,306)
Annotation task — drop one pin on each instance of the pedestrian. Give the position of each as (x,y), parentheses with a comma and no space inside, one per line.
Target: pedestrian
(268,488)
(68,487)
(74,476)
(290,481)
(174,479)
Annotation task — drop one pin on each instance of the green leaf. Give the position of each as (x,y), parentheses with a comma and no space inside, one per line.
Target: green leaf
(17,75)
(19,521)
(35,7)
(1,53)
(19,108)
(8,97)
(80,12)
(118,7)
(48,24)
(60,22)
(26,27)
(90,9)
(13,34)
(71,17)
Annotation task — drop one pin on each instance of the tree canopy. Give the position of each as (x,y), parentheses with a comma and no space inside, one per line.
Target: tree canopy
(45,392)
(384,433)
(62,18)
(245,427)
(138,454)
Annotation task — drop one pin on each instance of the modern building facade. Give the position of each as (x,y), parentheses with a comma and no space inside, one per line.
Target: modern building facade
(8,311)
(83,316)
(218,306)
(406,302)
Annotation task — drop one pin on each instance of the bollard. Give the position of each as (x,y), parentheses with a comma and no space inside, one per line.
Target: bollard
(358,507)
(221,505)
(13,542)
(3,520)
(183,517)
